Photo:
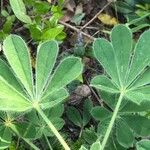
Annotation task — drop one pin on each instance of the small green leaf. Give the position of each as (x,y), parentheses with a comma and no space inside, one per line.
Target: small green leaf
(26,129)
(41,7)
(52,33)
(8,24)
(19,10)
(124,134)
(100,113)
(139,124)
(87,107)
(143,145)
(35,31)
(74,115)
(83,148)
(103,83)
(96,146)
(89,135)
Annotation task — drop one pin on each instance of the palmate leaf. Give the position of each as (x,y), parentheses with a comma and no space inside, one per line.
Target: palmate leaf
(47,91)
(49,87)
(128,70)
(127,119)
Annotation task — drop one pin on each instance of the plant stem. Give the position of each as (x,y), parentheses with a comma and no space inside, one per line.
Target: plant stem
(111,124)
(81,131)
(53,129)
(13,128)
(49,145)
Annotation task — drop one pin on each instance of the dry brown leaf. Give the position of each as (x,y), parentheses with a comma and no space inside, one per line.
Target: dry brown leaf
(70,5)
(67,16)
(79,9)
(108,20)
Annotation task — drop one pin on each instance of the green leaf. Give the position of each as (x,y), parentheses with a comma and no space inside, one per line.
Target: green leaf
(127,106)
(41,7)
(100,113)
(124,134)
(89,135)
(126,70)
(83,148)
(26,129)
(35,32)
(123,48)
(53,114)
(74,115)
(12,100)
(55,111)
(7,74)
(141,57)
(58,123)
(18,57)
(52,33)
(54,99)
(143,145)
(103,83)
(8,24)
(46,58)
(5,136)
(68,70)
(138,95)
(104,52)
(144,79)
(124,7)
(87,107)
(19,10)
(139,124)
(96,146)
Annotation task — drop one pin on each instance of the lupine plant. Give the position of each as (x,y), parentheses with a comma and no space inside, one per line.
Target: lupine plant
(127,70)
(23,92)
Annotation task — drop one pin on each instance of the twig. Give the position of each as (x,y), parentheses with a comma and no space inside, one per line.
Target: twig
(77,30)
(94,93)
(85,26)
(96,15)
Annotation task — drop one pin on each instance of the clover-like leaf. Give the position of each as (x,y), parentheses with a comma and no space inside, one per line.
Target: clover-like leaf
(19,92)
(128,70)
(17,88)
